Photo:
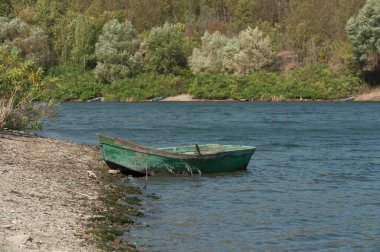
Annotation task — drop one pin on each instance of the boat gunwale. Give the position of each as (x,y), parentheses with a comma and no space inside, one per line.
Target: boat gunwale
(125,144)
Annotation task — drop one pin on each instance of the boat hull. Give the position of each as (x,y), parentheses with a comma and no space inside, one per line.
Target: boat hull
(144,161)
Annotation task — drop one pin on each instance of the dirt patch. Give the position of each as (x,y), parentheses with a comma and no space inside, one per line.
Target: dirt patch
(47,192)
(181,97)
(373,95)
(189,98)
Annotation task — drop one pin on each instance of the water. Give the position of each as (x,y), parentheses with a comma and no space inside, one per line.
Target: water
(312,185)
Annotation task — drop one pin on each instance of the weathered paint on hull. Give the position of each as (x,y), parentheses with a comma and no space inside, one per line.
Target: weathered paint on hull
(141,162)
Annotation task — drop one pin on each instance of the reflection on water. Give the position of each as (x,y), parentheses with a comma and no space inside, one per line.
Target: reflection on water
(312,185)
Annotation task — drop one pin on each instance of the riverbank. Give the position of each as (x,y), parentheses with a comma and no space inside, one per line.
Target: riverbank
(51,192)
(368,95)
(313,82)
(371,95)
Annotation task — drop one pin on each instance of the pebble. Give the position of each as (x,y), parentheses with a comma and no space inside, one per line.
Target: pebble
(113,171)
(92,175)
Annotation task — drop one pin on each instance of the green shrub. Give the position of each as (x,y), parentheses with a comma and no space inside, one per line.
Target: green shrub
(20,86)
(309,82)
(260,85)
(320,82)
(146,86)
(31,41)
(216,86)
(70,83)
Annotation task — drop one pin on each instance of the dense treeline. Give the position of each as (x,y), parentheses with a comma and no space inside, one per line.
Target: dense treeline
(138,49)
(314,29)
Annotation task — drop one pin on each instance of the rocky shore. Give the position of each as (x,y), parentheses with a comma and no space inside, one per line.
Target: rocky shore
(48,192)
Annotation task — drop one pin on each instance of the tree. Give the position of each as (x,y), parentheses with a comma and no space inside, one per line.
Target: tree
(165,50)
(241,55)
(147,14)
(63,42)
(31,41)
(115,49)
(42,13)
(84,40)
(209,58)
(19,86)
(6,8)
(255,52)
(363,31)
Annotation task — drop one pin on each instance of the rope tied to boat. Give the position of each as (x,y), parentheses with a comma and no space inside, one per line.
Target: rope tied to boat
(198,150)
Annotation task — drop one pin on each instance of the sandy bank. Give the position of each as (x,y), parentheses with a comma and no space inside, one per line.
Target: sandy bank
(181,97)
(48,188)
(373,95)
(188,98)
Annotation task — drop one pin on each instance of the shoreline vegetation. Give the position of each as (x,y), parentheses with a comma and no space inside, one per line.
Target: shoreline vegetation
(371,95)
(313,82)
(61,197)
(263,50)
(276,50)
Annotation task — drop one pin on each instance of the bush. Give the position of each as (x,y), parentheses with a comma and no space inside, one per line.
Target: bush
(31,41)
(209,58)
(309,82)
(165,49)
(20,85)
(249,52)
(71,83)
(146,86)
(320,82)
(261,85)
(216,86)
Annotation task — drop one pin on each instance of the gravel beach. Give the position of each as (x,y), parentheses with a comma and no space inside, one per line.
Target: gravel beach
(47,191)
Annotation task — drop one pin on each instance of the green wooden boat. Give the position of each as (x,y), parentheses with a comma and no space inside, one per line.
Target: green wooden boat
(135,159)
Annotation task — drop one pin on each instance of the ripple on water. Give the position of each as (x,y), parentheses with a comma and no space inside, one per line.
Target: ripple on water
(313,183)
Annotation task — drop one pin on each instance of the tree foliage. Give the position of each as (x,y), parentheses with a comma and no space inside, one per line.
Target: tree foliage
(307,27)
(92,34)
(84,40)
(248,52)
(209,57)
(115,49)
(19,85)
(31,41)
(364,33)
(254,54)
(164,49)
(6,8)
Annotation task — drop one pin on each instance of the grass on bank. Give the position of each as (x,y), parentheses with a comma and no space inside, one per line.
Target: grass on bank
(315,82)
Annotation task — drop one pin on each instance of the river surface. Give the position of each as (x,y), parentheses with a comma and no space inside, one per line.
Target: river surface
(312,185)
